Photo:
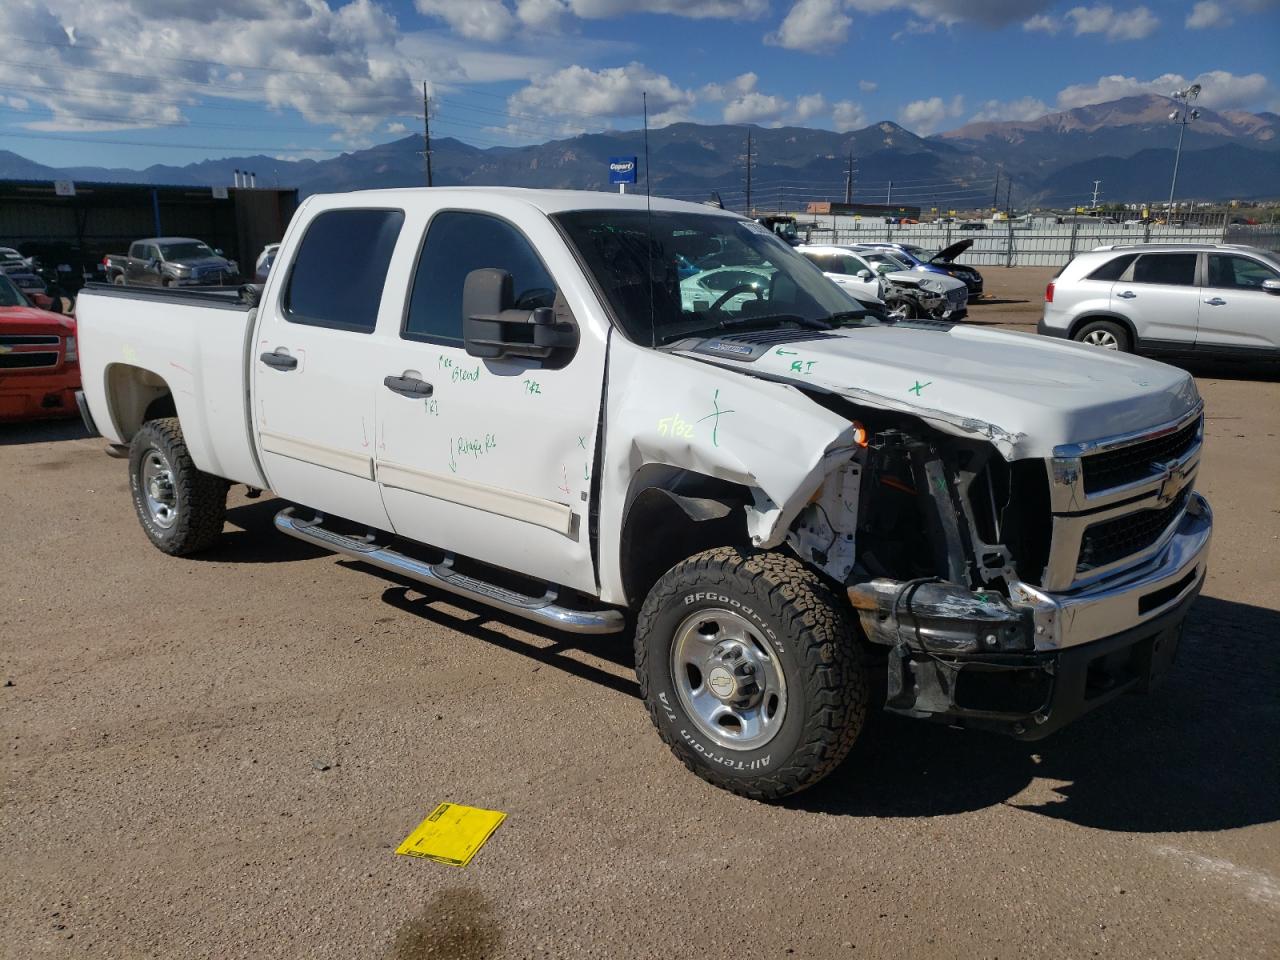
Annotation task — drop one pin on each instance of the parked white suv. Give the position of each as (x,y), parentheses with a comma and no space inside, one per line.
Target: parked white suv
(1177,299)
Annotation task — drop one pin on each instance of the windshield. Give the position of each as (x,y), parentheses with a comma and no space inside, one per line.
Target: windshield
(185,251)
(699,272)
(883,262)
(10,295)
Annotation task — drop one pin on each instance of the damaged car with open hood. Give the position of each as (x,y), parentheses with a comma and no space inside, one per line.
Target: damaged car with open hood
(529,399)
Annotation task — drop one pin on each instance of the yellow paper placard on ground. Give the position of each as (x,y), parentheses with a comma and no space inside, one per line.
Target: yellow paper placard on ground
(452,834)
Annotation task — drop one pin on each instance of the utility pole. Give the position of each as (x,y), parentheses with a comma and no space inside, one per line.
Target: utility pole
(1008,198)
(749,159)
(426,130)
(848,181)
(888,194)
(1096,184)
(1182,115)
(995,194)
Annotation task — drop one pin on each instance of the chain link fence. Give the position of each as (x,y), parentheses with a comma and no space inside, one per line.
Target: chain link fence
(1012,245)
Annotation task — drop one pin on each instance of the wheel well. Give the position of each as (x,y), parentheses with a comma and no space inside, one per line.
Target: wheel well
(134,396)
(1113,317)
(673,514)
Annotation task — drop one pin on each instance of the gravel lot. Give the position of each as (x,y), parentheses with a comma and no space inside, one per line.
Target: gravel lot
(217,757)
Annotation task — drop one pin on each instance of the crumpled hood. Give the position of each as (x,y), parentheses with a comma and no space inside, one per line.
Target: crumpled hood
(1025,393)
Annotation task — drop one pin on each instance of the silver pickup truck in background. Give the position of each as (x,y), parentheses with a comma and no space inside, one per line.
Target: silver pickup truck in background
(170,262)
(511,395)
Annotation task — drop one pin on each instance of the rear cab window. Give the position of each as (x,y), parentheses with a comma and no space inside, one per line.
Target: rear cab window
(340,268)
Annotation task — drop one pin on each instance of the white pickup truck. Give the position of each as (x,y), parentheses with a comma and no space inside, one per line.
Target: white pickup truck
(512,395)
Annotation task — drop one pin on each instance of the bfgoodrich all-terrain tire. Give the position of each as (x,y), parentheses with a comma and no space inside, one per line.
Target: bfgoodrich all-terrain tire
(181,508)
(751,671)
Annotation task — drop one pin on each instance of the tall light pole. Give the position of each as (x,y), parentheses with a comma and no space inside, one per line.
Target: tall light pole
(1182,115)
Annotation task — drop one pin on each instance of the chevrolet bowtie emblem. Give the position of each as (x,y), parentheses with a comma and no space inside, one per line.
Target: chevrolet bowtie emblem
(1171,485)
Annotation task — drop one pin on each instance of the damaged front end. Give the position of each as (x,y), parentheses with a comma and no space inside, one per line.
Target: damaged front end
(941,544)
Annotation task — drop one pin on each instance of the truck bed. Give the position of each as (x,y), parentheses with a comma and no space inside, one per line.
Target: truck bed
(193,344)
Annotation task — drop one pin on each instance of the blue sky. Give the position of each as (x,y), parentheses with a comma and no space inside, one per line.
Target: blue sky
(136,82)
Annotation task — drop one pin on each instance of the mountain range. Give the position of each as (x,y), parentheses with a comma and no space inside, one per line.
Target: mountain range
(1127,143)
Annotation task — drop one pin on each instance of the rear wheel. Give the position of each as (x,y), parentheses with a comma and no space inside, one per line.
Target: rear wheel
(180,507)
(1106,334)
(751,671)
(118,280)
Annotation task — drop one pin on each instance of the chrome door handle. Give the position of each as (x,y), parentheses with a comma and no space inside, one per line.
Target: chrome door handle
(1126,294)
(1216,302)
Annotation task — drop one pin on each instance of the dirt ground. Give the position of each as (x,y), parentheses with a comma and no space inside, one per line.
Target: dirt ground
(217,757)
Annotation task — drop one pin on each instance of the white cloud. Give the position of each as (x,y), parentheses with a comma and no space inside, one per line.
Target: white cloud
(1042,23)
(815,26)
(847,115)
(1220,89)
(121,64)
(1207,14)
(743,83)
(1024,108)
(397,127)
(1135,24)
(693,9)
(755,108)
(868,86)
(927,116)
(474,19)
(541,14)
(990,13)
(578,92)
(809,106)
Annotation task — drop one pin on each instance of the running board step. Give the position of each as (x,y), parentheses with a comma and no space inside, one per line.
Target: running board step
(543,609)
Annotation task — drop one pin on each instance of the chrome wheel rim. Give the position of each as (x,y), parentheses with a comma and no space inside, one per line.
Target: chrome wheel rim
(158,490)
(1102,338)
(728,678)
(900,311)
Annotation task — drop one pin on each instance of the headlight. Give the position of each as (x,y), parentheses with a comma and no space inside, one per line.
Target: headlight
(933,286)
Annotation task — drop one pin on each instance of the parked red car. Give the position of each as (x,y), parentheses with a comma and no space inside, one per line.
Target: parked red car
(39,365)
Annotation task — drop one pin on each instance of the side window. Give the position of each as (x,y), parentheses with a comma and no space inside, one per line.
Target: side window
(824,262)
(153,252)
(1113,268)
(458,242)
(136,251)
(340,268)
(1238,273)
(1176,269)
(850,266)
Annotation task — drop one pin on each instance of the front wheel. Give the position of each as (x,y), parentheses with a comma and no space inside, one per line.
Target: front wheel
(751,671)
(118,280)
(181,508)
(901,309)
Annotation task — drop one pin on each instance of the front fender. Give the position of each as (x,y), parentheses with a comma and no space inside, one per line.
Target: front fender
(768,437)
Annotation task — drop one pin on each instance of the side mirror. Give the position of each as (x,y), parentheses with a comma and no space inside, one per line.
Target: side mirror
(217,251)
(864,274)
(1271,286)
(493,329)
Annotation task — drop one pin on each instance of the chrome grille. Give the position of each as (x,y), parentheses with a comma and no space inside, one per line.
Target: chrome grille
(1114,468)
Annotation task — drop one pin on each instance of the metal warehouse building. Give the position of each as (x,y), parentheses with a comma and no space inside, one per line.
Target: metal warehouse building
(100,218)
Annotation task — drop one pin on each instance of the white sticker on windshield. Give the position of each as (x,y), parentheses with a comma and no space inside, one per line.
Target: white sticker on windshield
(754,227)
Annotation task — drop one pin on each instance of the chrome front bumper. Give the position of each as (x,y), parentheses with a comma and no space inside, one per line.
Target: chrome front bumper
(1130,597)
